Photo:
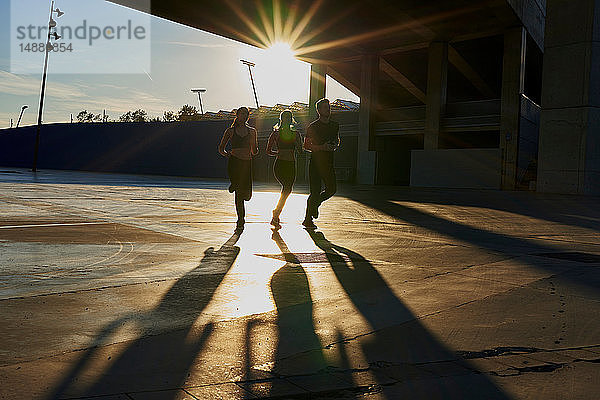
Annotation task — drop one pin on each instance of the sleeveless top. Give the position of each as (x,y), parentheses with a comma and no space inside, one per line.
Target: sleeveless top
(286,139)
(240,142)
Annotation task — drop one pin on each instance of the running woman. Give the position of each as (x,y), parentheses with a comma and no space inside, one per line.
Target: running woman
(244,145)
(283,143)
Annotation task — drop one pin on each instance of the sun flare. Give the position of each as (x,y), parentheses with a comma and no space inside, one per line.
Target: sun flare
(276,74)
(280,53)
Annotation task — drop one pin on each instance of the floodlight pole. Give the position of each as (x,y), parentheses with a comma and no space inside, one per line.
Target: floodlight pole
(200,91)
(250,64)
(51,24)
(21,115)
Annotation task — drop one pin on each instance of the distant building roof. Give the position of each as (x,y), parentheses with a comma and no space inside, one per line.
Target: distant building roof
(274,111)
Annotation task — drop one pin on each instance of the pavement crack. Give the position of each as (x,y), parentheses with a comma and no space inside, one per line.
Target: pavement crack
(450,272)
(498,351)
(515,371)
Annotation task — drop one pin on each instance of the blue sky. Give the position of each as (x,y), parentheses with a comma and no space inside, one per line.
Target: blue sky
(180,58)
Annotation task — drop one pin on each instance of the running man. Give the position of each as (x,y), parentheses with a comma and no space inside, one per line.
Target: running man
(322,139)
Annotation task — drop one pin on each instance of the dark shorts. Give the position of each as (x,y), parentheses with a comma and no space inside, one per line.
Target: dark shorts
(240,176)
(285,172)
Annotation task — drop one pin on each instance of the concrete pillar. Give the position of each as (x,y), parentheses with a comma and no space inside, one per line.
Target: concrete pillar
(513,78)
(437,88)
(569,148)
(367,157)
(318,75)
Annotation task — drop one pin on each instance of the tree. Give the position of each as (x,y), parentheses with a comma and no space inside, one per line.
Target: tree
(139,116)
(169,116)
(188,113)
(86,116)
(125,117)
(134,116)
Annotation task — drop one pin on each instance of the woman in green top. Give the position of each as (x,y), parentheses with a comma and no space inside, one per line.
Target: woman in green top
(283,143)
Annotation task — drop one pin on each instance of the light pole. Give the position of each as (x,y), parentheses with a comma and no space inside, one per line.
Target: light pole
(250,65)
(25,107)
(49,47)
(199,91)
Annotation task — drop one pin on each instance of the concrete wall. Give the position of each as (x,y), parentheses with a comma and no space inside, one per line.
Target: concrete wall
(159,148)
(569,154)
(177,149)
(456,168)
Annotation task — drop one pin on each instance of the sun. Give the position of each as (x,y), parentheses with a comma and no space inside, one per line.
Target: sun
(280,53)
(276,74)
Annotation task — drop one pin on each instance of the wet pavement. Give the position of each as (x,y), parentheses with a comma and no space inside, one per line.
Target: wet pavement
(136,287)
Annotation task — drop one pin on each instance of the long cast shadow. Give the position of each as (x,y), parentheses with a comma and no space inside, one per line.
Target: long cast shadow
(295,326)
(489,240)
(399,341)
(579,211)
(156,360)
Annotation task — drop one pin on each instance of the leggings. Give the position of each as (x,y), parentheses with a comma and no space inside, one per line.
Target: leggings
(285,172)
(240,175)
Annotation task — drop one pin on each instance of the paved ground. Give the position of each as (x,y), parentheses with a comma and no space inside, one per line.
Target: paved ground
(136,288)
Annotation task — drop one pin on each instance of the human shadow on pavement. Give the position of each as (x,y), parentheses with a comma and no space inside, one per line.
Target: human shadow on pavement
(295,325)
(298,349)
(167,343)
(399,346)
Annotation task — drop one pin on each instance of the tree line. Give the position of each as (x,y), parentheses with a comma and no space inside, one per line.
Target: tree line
(185,113)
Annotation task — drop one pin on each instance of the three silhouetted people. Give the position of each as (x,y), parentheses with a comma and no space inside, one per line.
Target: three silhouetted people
(322,139)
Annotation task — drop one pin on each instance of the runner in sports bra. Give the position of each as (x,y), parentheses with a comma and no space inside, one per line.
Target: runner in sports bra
(283,144)
(244,145)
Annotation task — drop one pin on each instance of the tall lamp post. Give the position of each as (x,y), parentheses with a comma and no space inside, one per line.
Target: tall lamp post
(250,65)
(25,107)
(199,91)
(49,48)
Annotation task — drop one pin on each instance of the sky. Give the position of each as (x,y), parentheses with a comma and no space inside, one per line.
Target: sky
(155,74)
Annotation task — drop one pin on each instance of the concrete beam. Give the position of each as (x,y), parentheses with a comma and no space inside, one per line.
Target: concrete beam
(318,76)
(437,87)
(335,74)
(401,79)
(473,76)
(454,57)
